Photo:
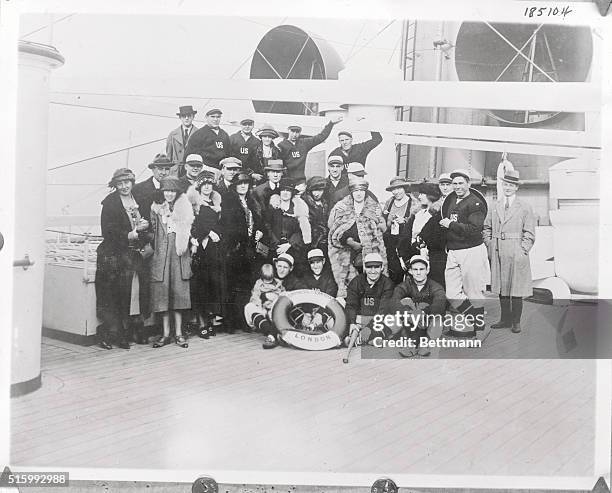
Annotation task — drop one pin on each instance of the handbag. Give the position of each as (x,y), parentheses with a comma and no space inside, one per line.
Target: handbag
(262,249)
(146,251)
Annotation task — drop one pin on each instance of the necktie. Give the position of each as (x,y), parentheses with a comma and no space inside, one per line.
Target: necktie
(506,205)
(185,136)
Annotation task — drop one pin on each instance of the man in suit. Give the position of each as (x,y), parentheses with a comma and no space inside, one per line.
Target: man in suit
(211,141)
(509,234)
(353,169)
(178,139)
(263,192)
(355,153)
(243,145)
(230,166)
(146,192)
(336,179)
(295,148)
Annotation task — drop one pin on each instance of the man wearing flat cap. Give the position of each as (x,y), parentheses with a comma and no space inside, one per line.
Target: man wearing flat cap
(295,148)
(148,191)
(355,153)
(243,145)
(467,270)
(211,141)
(179,138)
(336,176)
(509,234)
(230,166)
(318,278)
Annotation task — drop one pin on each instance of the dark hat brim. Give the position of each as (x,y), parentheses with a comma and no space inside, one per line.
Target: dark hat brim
(398,185)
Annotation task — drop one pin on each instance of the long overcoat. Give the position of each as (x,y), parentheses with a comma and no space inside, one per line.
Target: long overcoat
(509,236)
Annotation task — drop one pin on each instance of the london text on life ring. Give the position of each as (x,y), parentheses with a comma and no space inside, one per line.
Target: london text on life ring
(309,319)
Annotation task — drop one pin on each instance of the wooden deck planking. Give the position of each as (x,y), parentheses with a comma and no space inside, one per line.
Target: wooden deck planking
(298,410)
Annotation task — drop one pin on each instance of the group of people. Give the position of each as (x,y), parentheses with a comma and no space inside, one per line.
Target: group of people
(225,224)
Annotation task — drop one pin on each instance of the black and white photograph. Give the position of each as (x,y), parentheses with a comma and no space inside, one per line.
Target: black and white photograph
(282,245)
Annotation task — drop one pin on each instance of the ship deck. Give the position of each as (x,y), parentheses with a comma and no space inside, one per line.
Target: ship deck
(224,403)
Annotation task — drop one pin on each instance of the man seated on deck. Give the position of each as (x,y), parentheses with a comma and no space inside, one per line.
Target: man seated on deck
(318,278)
(418,295)
(258,312)
(364,295)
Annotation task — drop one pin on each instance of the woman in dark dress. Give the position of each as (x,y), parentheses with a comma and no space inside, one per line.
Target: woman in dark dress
(240,233)
(425,235)
(208,282)
(266,150)
(120,299)
(397,212)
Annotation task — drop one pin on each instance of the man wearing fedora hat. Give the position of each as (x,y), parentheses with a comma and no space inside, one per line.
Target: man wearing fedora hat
(243,146)
(177,140)
(467,270)
(211,141)
(355,153)
(509,234)
(295,148)
(148,191)
(262,193)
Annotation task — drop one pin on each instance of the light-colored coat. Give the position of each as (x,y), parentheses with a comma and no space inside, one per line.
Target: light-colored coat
(175,150)
(509,236)
(182,218)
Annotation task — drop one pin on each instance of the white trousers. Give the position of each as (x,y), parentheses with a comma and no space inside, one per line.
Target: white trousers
(467,274)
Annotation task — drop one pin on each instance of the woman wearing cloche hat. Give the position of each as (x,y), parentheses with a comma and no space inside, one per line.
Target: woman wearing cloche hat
(120,300)
(396,212)
(266,150)
(171,264)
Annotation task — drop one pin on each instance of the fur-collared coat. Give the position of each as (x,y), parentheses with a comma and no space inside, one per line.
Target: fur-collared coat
(291,225)
(370,226)
(180,219)
(509,235)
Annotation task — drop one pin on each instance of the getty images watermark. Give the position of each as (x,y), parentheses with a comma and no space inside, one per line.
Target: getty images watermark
(410,321)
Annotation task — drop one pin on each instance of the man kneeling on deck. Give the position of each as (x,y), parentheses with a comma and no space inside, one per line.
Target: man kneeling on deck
(425,299)
(364,295)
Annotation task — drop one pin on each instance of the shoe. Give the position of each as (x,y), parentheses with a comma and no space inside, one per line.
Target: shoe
(123,344)
(161,341)
(270,342)
(105,345)
(502,324)
(407,353)
(181,341)
(212,330)
(516,327)
(204,332)
(423,351)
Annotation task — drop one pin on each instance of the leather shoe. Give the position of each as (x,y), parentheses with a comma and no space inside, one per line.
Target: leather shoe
(516,327)
(105,345)
(502,324)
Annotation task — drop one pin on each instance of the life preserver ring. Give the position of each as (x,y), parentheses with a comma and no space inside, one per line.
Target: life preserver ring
(328,334)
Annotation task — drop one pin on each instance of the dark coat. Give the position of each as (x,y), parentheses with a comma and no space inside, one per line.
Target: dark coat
(208,287)
(330,189)
(465,230)
(294,155)
(117,260)
(433,235)
(145,194)
(358,153)
(326,282)
(318,214)
(361,299)
(261,199)
(262,161)
(246,151)
(396,273)
(234,222)
(211,146)
(432,293)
